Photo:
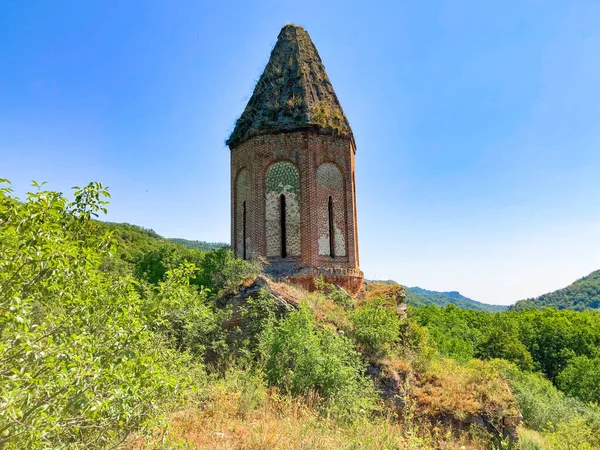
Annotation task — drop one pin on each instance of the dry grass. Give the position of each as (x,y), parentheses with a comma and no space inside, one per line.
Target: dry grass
(531,440)
(394,293)
(234,416)
(448,388)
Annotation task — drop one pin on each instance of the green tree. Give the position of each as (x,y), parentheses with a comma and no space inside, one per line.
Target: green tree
(79,366)
(498,342)
(581,379)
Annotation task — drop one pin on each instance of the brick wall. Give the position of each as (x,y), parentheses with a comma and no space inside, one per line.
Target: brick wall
(306,151)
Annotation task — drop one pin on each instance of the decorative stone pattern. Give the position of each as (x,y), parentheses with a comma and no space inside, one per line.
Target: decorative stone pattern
(242,194)
(282,179)
(330,183)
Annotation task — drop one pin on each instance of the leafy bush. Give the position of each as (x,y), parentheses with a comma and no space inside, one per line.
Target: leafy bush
(79,367)
(542,405)
(574,434)
(337,295)
(302,358)
(256,315)
(376,327)
(183,313)
(220,269)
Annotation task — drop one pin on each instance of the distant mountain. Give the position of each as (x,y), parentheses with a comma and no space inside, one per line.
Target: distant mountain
(202,245)
(581,295)
(417,296)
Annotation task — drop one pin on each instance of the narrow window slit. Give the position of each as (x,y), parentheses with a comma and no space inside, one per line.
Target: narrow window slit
(331,231)
(244,230)
(282,220)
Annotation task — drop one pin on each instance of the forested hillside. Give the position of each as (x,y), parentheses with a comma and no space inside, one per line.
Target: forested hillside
(417,296)
(200,245)
(113,337)
(581,295)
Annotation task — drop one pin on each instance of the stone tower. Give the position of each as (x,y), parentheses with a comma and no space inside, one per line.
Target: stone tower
(293,196)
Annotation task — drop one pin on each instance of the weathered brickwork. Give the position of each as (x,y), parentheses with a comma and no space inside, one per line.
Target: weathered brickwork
(292,171)
(282,180)
(305,152)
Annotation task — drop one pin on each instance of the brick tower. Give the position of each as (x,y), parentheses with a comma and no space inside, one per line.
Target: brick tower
(293,196)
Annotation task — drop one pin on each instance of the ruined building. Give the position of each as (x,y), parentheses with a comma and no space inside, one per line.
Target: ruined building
(293,196)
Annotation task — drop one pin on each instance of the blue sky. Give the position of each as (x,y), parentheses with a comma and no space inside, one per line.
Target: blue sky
(477,123)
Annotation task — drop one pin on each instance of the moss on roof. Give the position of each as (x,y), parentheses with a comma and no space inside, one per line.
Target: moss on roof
(293,93)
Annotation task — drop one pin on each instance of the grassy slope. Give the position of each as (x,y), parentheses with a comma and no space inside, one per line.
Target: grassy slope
(581,295)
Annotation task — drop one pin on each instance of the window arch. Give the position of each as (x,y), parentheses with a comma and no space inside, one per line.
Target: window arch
(331,211)
(282,209)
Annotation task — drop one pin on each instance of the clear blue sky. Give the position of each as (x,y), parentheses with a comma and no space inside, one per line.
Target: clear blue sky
(477,123)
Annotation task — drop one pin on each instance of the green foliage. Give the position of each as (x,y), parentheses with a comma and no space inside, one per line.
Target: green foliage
(376,327)
(216,270)
(575,434)
(500,342)
(220,269)
(256,315)
(183,314)
(581,379)
(542,405)
(302,358)
(153,265)
(454,331)
(551,337)
(583,294)
(79,367)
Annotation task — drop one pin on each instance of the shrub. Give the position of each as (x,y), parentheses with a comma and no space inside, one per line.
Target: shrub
(574,434)
(376,327)
(414,343)
(183,313)
(542,405)
(301,358)
(256,315)
(337,295)
(220,269)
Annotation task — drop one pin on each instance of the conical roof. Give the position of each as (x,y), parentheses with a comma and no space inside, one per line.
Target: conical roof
(293,93)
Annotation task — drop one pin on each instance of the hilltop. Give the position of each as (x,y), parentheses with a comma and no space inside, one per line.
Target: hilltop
(417,296)
(213,354)
(581,295)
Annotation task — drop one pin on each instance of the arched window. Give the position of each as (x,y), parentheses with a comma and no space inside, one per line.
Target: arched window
(331,214)
(282,210)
